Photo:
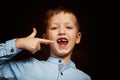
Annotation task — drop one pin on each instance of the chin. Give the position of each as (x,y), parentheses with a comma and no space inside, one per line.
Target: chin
(63,54)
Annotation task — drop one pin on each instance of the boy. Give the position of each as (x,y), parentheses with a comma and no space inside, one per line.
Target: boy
(62,33)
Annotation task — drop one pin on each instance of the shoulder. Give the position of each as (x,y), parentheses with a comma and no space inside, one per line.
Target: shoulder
(79,73)
(34,61)
(28,62)
(82,74)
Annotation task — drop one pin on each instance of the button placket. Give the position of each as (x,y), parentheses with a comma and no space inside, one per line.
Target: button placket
(60,66)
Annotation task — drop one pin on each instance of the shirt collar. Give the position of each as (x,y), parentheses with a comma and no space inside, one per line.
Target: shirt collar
(60,61)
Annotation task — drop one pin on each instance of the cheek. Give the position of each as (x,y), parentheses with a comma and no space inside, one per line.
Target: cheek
(72,34)
(51,36)
(72,37)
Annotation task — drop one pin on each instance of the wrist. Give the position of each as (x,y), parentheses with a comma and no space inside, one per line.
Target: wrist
(19,43)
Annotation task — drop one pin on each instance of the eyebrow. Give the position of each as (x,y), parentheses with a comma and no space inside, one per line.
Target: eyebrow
(65,23)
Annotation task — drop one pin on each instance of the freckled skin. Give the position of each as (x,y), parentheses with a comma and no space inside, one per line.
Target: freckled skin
(63,25)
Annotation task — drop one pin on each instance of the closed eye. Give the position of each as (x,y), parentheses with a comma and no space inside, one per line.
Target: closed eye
(53,28)
(68,27)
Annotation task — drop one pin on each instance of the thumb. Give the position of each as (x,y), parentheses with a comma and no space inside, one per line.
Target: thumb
(33,34)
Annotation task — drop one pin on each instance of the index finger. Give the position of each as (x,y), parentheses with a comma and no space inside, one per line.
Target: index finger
(46,41)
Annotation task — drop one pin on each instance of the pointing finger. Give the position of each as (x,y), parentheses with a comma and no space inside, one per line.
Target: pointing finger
(45,41)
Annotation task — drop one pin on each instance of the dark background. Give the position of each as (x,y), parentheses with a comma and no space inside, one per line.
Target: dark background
(93,54)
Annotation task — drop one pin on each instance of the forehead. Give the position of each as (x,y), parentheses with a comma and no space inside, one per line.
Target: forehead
(63,17)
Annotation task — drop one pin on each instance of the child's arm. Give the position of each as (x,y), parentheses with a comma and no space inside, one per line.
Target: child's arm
(8,50)
(31,43)
(11,47)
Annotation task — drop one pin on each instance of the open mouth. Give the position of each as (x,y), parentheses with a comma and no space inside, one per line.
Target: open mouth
(62,41)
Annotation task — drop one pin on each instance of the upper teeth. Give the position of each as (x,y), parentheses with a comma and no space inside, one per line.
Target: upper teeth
(62,40)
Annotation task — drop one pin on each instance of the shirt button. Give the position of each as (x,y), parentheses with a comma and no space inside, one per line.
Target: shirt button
(60,61)
(61,73)
(12,50)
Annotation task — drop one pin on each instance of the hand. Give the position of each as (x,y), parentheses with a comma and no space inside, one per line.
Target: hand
(31,43)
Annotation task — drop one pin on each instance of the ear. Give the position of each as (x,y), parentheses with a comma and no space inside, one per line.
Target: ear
(78,37)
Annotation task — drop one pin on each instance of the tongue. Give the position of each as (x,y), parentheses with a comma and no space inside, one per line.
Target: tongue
(63,43)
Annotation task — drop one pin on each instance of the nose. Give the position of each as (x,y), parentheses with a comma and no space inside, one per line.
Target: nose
(61,31)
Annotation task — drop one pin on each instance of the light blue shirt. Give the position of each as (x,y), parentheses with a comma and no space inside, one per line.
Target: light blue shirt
(33,69)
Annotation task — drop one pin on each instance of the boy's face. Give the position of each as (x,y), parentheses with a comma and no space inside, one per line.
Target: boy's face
(63,30)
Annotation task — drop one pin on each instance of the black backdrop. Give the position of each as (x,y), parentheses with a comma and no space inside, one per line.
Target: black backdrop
(17,17)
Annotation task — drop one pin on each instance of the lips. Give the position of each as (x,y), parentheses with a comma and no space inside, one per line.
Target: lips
(62,41)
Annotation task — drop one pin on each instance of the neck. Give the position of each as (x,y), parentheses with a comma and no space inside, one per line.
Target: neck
(65,58)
